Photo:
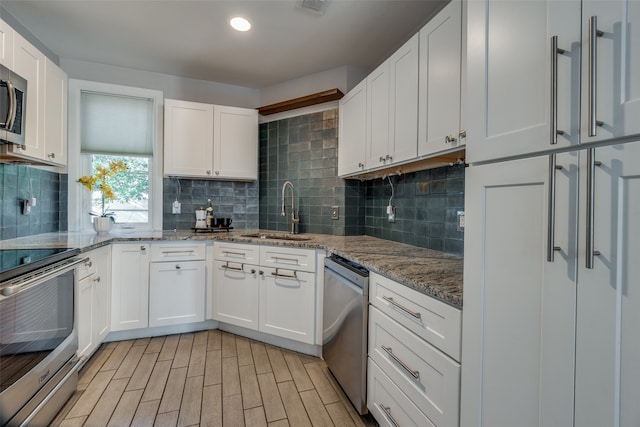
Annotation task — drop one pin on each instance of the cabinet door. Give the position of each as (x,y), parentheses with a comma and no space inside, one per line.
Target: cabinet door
(130,286)
(85,327)
(188,138)
(287,304)
(608,344)
(101,294)
(352,130)
(377,149)
(235,143)
(509,77)
(6,45)
(55,114)
(235,293)
(439,87)
(403,102)
(519,312)
(28,62)
(617,65)
(176,292)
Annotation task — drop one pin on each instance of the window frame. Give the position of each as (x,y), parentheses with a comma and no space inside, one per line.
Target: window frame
(78,216)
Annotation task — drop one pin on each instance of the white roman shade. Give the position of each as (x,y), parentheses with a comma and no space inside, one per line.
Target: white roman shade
(115,124)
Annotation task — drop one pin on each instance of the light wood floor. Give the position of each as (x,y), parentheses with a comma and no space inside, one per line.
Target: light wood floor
(208,378)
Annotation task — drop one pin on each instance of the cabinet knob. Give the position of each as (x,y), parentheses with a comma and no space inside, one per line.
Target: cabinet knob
(51,156)
(381,159)
(360,165)
(450,138)
(97,279)
(208,172)
(388,157)
(462,134)
(178,267)
(143,248)
(217,172)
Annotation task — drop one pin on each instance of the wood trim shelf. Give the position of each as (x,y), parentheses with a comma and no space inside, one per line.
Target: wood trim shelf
(303,101)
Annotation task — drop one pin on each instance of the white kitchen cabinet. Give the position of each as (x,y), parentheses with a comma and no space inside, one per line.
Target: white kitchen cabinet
(236,293)
(28,62)
(287,304)
(617,66)
(176,292)
(529,323)
(130,286)
(413,340)
(392,108)
(270,289)
(188,138)
(6,44)
(439,88)
(55,113)
(608,302)
(509,79)
(177,281)
(210,141)
(235,143)
(352,130)
(94,300)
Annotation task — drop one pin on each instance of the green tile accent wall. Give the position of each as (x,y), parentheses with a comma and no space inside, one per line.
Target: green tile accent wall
(18,182)
(304,150)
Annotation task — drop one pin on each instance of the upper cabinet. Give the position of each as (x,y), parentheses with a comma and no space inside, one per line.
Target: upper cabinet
(439,119)
(547,75)
(46,115)
(352,128)
(407,109)
(610,83)
(210,141)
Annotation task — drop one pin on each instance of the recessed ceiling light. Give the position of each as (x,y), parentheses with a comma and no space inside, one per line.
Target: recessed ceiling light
(240,24)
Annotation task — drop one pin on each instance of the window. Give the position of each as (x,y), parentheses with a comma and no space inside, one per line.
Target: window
(116,123)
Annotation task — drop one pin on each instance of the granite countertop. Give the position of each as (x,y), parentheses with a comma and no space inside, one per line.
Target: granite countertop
(433,273)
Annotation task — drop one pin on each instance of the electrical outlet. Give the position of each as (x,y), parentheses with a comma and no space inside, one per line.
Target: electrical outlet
(460,223)
(391,213)
(335,212)
(176,207)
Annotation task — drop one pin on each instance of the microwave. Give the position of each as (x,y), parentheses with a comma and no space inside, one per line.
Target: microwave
(13,109)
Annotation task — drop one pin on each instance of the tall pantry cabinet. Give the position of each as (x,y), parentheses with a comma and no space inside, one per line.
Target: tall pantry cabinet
(552,285)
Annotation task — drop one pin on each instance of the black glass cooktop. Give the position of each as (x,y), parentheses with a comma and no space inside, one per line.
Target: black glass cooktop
(14,262)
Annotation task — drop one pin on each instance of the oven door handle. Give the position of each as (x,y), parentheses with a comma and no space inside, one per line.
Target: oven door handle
(7,291)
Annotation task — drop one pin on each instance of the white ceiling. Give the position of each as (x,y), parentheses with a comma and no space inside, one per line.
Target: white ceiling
(192,39)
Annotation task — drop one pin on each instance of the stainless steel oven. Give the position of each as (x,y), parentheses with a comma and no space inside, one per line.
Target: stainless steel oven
(38,340)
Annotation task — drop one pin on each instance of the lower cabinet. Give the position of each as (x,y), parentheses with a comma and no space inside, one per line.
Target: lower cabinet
(176,292)
(413,378)
(130,293)
(94,297)
(267,289)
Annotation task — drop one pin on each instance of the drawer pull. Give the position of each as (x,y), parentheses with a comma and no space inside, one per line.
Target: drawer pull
(234,253)
(288,276)
(406,310)
(88,263)
(387,413)
(277,258)
(414,374)
(228,267)
(190,251)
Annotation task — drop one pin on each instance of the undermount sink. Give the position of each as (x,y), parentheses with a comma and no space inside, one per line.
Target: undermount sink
(277,236)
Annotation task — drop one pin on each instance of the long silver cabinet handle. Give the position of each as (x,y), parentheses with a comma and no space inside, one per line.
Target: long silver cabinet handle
(593,75)
(401,307)
(551,226)
(288,276)
(285,259)
(415,374)
(188,251)
(591,184)
(228,267)
(554,91)
(387,413)
(234,253)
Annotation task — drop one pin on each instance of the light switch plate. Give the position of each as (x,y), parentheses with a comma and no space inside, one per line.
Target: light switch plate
(176,207)
(460,226)
(335,212)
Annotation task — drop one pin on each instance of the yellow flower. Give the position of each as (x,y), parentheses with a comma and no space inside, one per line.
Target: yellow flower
(99,180)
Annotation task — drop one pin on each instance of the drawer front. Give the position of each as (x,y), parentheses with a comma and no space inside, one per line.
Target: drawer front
(171,251)
(289,258)
(430,378)
(388,404)
(87,268)
(438,323)
(237,252)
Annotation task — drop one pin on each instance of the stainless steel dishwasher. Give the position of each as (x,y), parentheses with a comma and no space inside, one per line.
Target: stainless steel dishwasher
(344,338)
